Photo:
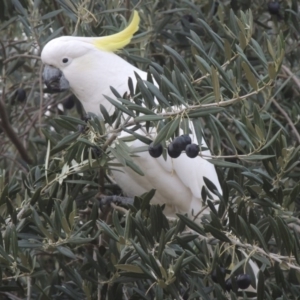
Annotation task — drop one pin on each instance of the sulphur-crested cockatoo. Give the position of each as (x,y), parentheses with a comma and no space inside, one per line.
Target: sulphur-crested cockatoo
(89,67)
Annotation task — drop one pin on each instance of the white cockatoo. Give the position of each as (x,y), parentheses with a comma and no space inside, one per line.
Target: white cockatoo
(89,67)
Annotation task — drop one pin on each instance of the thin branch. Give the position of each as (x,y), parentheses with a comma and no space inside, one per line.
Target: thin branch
(293,76)
(127,13)
(41,97)
(290,122)
(223,67)
(5,124)
(289,260)
(61,19)
(215,104)
(11,133)
(20,56)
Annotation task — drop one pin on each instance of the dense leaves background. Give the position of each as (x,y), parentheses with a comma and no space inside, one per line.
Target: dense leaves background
(232,67)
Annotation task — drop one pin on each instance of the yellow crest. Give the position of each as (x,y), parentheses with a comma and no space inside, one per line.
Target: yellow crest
(121,39)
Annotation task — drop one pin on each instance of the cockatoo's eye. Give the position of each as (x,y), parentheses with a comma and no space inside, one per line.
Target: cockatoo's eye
(65,60)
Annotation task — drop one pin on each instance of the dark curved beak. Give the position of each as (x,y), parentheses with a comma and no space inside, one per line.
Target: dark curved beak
(55,80)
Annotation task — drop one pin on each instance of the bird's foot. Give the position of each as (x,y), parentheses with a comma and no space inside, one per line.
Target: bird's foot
(116,202)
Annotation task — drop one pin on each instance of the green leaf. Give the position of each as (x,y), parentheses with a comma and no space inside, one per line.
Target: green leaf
(140,109)
(226,164)
(134,167)
(120,106)
(215,84)
(272,70)
(203,112)
(191,224)
(260,286)
(260,237)
(108,230)
(51,14)
(242,130)
(178,264)
(19,7)
(91,183)
(64,143)
(105,115)
(249,75)
(178,58)
(156,92)
(66,252)
(36,196)
(143,255)
(129,268)
(166,131)
(217,233)
(149,118)
(64,123)
(148,98)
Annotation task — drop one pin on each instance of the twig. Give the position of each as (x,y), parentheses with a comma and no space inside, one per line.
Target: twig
(119,208)
(101,180)
(289,260)
(41,97)
(60,18)
(5,125)
(293,76)
(214,104)
(19,56)
(29,287)
(9,130)
(115,199)
(223,67)
(127,13)
(283,112)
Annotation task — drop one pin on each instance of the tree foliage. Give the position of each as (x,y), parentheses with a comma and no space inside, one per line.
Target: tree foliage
(231,68)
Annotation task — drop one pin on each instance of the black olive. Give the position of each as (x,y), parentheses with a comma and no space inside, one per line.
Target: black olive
(243,281)
(155,151)
(20,95)
(174,153)
(216,5)
(69,102)
(86,118)
(188,18)
(192,150)
(187,139)
(214,274)
(179,143)
(81,128)
(274,7)
(96,152)
(228,284)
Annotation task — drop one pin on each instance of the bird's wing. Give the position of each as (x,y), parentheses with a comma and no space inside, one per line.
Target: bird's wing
(178,181)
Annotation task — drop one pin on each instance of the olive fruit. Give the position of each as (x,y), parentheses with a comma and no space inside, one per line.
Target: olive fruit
(81,128)
(187,139)
(155,151)
(179,143)
(20,95)
(216,5)
(274,7)
(214,274)
(69,102)
(228,284)
(173,152)
(189,18)
(96,152)
(192,150)
(243,281)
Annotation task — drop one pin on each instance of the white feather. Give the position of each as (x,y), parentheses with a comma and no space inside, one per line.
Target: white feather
(91,73)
